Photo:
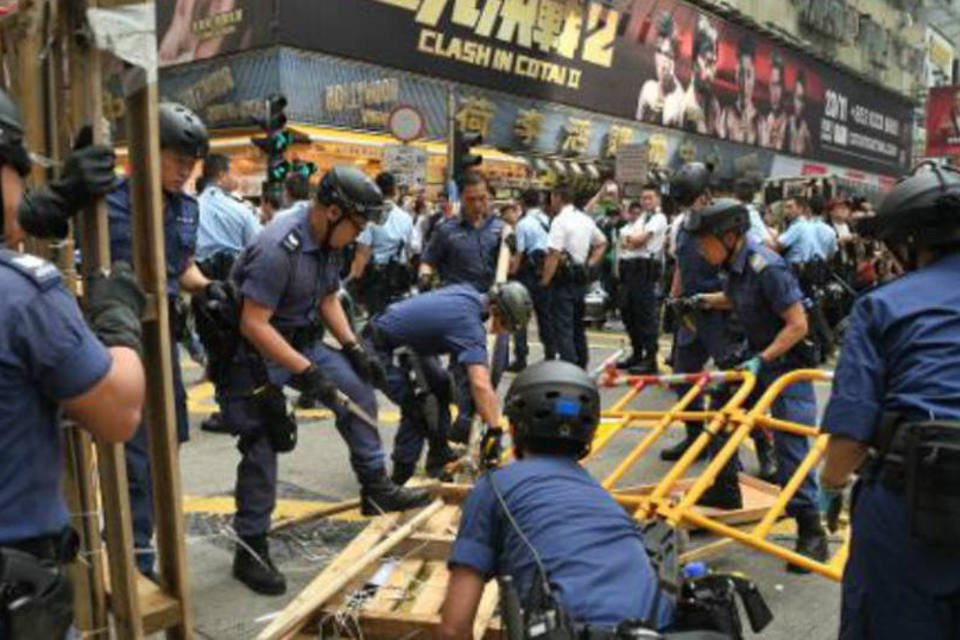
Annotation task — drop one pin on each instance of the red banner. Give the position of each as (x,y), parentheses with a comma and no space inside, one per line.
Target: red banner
(943,121)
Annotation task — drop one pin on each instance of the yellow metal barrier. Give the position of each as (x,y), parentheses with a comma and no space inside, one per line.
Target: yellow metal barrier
(732,417)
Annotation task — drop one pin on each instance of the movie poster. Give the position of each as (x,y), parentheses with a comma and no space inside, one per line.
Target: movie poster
(190,30)
(943,121)
(662,62)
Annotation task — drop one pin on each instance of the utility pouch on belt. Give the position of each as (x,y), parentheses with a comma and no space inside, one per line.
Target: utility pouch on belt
(932,482)
(278,420)
(36,599)
(424,404)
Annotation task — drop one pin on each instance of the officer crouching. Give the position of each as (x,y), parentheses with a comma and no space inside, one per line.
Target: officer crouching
(408,338)
(544,520)
(53,362)
(896,403)
(287,276)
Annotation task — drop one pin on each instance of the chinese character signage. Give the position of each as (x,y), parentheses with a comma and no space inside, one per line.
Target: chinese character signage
(656,61)
(943,121)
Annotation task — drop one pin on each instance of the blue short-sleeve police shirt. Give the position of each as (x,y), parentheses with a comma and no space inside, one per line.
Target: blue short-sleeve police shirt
(591,548)
(463,253)
(448,320)
(181,217)
(761,286)
(47,355)
(696,274)
(285,270)
(901,353)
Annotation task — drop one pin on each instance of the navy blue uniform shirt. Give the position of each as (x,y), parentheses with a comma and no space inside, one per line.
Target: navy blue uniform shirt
(285,270)
(696,274)
(181,215)
(761,286)
(445,321)
(591,548)
(47,355)
(462,253)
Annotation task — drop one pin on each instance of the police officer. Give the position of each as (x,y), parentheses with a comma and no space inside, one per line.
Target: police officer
(900,366)
(545,509)
(641,266)
(765,295)
(409,336)
(532,233)
(464,249)
(711,334)
(227,223)
(386,246)
(183,141)
(53,361)
(798,243)
(575,246)
(285,277)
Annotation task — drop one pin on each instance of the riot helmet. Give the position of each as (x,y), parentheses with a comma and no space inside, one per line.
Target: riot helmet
(514,303)
(689,183)
(182,131)
(554,403)
(719,217)
(353,192)
(12,151)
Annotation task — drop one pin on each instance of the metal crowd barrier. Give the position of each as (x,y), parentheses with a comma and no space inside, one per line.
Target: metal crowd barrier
(738,421)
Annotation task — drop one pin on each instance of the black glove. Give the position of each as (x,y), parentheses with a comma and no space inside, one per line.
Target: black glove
(366,364)
(491,448)
(424,282)
(315,386)
(87,174)
(511,242)
(114,306)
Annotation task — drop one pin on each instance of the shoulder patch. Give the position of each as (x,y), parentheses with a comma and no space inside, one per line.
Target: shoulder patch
(292,242)
(42,273)
(758,263)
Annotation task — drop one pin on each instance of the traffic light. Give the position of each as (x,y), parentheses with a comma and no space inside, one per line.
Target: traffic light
(277,169)
(464,158)
(303,169)
(277,138)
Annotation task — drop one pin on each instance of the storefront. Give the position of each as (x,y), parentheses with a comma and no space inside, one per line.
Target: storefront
(557,87)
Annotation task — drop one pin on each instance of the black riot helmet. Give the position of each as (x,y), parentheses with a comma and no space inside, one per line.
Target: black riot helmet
(514,303)
(719,217)
(553,405)
(689,183)
(182,130)
(12,151)
(923,207)
(353,191)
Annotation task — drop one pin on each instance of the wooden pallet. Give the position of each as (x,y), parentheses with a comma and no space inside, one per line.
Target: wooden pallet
(390,581)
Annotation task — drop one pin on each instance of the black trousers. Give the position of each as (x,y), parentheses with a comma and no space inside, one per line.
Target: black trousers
(639,306)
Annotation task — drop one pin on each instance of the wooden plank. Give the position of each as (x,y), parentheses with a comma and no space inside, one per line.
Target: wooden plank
(159,610)
(393,626)
(426,546)
(323,512)
(150,265)
(486,610)
(328,583)
(430,596)
(397,587)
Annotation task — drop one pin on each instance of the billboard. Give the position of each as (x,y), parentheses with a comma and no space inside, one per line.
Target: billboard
(190,30)
(943,121)
(661,62)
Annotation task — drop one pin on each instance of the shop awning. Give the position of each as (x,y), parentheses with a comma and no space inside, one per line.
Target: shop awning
(592,170)
(575,169)
(559,167)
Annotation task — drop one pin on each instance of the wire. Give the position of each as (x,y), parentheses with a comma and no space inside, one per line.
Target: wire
(541,569)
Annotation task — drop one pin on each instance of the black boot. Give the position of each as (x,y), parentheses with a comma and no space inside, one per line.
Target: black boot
(438,457)
(253,567)
(381,495)
(811,540)
(402,471)
(674,453)
(646,367)
(215,424)
(723,494)
(766,460)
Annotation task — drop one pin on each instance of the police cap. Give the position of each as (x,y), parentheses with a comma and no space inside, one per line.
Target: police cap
(353,191)
(554,400)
